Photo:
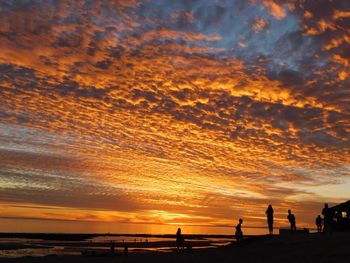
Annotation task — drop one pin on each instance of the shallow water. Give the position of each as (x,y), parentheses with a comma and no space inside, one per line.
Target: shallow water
(35,252)
(41,248)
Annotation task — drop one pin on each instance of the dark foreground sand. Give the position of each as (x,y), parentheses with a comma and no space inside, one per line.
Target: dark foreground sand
(302,248)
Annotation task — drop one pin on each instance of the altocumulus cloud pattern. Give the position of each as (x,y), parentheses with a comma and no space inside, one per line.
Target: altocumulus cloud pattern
(173,111)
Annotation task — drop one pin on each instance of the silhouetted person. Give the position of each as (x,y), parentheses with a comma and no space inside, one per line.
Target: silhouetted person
(126,250)
(112,247)
(327,219)
(239,233)
(319,224)
(291,219)
(269,213)
(180,241)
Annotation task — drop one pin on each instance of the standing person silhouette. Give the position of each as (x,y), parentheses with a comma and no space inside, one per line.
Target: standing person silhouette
(179,240)
(112,250)
(239,233)
(327,219)
(269,213)
(318,222)
(291,219)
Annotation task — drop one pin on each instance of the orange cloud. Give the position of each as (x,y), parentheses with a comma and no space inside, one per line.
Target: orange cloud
(259,24)
(123,118)
(275,9)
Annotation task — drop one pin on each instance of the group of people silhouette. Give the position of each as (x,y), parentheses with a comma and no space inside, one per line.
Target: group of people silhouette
(291,218)
(326,222)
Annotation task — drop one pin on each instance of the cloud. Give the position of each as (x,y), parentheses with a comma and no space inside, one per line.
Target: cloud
(192,109)
(275,9)
(259,24)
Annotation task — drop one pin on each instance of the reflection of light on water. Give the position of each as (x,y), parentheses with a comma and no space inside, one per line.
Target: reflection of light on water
(129,239)
(40,248)
(167,249)
(37,252)
(15,253)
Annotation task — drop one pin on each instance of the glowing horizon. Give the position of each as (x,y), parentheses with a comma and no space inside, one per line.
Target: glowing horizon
(192,113)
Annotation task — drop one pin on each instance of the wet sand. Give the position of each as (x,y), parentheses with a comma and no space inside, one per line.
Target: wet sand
(298,248)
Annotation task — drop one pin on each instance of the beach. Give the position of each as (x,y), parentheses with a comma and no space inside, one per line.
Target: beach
(130,128)
(297,248)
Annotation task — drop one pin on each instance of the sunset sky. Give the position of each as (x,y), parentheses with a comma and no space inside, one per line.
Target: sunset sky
(171,113)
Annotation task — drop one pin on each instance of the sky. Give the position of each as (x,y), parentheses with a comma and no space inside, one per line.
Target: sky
(128,113)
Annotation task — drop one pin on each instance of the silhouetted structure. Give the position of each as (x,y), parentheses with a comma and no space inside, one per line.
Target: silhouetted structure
(180,241)
(239,233)
(269,213)
(286,231)
(291,219)
(341,213)
(318,222)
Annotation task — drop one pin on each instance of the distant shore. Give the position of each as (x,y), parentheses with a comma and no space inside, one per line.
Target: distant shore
(298,248)
(81,237)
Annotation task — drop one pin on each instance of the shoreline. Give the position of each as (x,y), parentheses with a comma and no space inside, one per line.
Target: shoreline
(81,237)
(315,247)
